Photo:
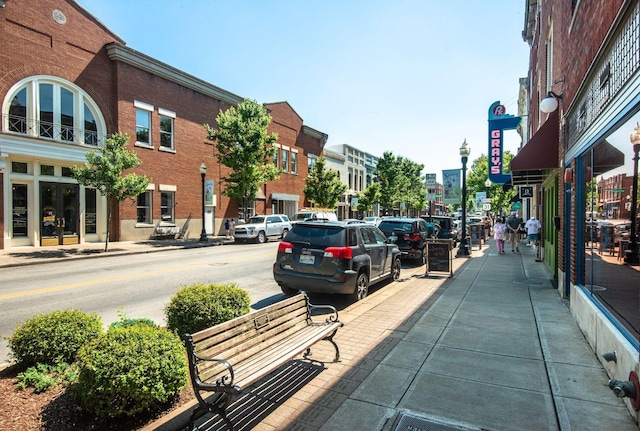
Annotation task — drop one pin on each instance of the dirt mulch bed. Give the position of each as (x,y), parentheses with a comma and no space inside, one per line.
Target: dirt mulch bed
(56,409)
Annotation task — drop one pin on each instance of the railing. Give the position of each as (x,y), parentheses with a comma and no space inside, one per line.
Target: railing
(43,129)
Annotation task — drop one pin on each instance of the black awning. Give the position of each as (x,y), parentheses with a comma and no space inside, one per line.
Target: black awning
(539,155)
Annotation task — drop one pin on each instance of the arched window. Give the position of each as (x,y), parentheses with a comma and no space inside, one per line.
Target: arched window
(53,108)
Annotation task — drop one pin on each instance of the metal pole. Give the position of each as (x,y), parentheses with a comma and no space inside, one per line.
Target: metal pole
(463,250)
(632,257)
(203,234)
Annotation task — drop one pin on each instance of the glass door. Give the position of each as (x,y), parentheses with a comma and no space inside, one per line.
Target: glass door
(59,222)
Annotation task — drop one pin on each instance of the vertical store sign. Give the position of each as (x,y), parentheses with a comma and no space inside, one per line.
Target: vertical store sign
(499,121)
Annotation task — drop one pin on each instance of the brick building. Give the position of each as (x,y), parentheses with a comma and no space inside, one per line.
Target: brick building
(583,91)
(66,83)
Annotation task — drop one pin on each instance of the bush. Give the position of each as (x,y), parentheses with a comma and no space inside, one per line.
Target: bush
(124,321)
(54,337)
(130,370)
(42,377)
(199,306)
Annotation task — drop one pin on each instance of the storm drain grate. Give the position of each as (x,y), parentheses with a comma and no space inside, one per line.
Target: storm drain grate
(415,423)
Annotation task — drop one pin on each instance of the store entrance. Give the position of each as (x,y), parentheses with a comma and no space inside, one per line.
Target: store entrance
(59,210)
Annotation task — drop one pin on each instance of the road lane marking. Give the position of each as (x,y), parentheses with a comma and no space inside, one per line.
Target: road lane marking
(120,278)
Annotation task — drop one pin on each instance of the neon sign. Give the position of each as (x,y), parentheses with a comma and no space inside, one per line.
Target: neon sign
(499,121)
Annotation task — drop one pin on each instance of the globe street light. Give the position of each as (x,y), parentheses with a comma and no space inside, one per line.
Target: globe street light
(203,172)
(463,250)
(632,257)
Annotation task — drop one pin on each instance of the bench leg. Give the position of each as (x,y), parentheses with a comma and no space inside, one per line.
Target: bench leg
(218,406)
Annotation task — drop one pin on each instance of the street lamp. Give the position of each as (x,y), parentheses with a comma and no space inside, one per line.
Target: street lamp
(487,185)
(463,250)
(632,257)
(203,172)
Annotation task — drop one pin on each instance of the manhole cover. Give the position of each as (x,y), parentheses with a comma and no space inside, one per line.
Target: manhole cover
(415,423)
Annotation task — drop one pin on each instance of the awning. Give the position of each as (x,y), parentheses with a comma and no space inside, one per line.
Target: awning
(284,197)
(260,195)
(539,155)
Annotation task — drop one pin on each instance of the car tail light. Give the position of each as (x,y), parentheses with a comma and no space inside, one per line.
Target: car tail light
(285,247)
(338,252)
(412,237)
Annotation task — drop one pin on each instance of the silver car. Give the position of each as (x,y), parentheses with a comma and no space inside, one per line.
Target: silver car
(261,228)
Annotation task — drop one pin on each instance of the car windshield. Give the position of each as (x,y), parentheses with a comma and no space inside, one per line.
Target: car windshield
(302,217)
(389,226)
(257,220)
(320,237)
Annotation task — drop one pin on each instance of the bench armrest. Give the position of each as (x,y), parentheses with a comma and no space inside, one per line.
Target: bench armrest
(332,318)
(226,380)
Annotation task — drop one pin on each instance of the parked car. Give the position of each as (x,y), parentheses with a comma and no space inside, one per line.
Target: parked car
(261,228)
(314,215)
(335,257)
(373,220)
(410,234)
(446,228)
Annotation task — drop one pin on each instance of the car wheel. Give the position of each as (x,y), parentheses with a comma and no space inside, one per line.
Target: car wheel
(362,287)
(395,269)
(288,291)
(284,233)
(262,237)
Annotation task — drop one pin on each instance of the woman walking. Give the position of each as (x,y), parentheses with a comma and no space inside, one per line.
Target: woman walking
(499,233)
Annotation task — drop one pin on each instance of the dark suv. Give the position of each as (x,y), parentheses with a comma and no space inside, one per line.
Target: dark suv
(334,257)
(410,234)
(445,228)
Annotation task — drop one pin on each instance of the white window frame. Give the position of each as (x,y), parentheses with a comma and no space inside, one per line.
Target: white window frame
(80,101)
(144,109)
(167,212)
(294,161)
(171,116)
(285,159)
(148,207)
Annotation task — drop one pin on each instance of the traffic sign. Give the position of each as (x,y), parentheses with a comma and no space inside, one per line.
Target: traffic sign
(486,207)
(430,181)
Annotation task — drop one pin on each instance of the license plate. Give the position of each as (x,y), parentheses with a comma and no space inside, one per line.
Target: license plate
(307,259)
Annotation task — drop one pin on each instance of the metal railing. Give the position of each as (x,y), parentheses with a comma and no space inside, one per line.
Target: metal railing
(47,130)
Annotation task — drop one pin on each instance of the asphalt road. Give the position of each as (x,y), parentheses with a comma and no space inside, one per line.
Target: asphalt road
(137,285)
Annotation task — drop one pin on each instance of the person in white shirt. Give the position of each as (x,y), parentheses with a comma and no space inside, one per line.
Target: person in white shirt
(533,230)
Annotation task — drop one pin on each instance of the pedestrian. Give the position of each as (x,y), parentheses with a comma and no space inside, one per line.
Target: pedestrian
(232,226)
(513,224)
(227,224)
(499,233)
(533,230)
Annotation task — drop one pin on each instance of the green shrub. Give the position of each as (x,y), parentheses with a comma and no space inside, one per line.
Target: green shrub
(130,370)
(42,377)
(199,306)
(124,321)
(54,337)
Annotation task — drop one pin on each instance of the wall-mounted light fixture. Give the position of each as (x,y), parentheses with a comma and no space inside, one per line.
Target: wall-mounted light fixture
(550,102)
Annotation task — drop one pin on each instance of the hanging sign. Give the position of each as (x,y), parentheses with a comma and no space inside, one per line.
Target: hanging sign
(499,121)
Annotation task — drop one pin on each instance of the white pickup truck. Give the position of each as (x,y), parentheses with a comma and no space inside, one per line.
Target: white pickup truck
(261,228)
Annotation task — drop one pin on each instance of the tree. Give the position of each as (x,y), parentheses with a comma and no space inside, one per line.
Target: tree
(476,177)
(323,186)
(368,197)
(245,147)
(401,181)
(103,171)
(388,175)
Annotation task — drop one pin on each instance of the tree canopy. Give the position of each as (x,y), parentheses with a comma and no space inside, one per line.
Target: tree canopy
(401,182)
(323,186)
(103,171)
(243,145)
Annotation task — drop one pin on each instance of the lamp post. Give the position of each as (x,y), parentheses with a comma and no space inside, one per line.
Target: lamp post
(632,257)
(463,249)
(203,172)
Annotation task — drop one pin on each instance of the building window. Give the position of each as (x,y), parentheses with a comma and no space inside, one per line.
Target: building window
(166,206)
(276,158)
(52,108)
(143,127)
(66,172)
(46,170)
(166,128)
(144,208)
(90,210)
(19,168)
(20,211)
(294,162)
(285,160)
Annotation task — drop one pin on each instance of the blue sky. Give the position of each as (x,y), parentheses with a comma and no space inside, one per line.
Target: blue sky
(414,77)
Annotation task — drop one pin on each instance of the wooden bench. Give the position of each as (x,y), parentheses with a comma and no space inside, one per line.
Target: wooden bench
(226,359)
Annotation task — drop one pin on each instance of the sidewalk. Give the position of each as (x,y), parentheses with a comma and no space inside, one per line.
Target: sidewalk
(493,348)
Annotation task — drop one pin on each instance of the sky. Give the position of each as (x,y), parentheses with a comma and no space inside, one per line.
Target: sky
(413,77)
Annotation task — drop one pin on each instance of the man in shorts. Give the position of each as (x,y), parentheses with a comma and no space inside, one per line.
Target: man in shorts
(533,230)
(513,224)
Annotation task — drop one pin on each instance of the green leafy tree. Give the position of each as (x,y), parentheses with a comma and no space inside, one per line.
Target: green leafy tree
(401,181)
(104,169)
(388,176)
(323,186)
(413,190)
(245,147)
(476,177)
(368,197)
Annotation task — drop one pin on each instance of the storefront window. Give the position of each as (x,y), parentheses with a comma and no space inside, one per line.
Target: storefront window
(90,203)
(20,211)
(605,204)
